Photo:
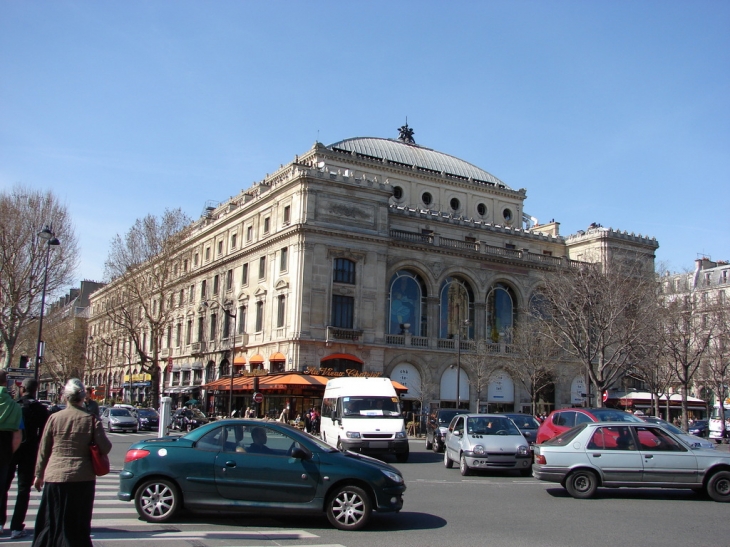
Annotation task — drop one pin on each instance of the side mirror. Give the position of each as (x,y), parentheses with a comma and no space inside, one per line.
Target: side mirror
(457,432)
(334,416)
(301,453)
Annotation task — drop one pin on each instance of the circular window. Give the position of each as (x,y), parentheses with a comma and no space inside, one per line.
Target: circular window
(397,192)
(455,204)
(507,214)
(482,209)
(427,198)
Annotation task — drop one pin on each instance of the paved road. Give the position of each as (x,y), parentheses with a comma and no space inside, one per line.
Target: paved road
(442,508)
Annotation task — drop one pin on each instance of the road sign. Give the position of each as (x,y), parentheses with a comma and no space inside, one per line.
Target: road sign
(258,397)
(21,373)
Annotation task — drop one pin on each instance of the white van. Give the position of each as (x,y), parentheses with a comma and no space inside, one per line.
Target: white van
(364,415)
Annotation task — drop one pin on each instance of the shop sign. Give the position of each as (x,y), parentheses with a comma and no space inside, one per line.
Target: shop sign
(350,372)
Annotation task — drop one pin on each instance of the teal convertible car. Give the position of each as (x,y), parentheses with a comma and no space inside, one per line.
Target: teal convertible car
(253,466)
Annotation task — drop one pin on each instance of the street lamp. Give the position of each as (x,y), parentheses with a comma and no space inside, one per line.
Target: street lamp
(232,315)
(46,235)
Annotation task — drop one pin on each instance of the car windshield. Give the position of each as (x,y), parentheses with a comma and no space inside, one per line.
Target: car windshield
(119,412)
(368,407)
(491,425)
(445,416)
(612,415)
(525,421)
(666,425)
(567,436)
(147,412)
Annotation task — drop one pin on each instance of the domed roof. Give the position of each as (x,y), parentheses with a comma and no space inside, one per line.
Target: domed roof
(407,154)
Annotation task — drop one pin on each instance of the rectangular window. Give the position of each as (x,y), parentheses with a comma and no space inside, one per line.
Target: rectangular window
(220,248)
(249,233)
(547,253)
(284,259)
(229,280)
(226,326)
(178,334)
(200,329)
(344,271)
(241,319)
(215,284)
(207,254)
(195,259)
(233,241)
(244,274)
(343,311)
(287,215)
(185,265)
(213,326)
(191,294)
(203,289)
(259,316)
(266,225)
(280,311)
(509,246)
(262,267)
(181,298)
(189,332)
(169,336)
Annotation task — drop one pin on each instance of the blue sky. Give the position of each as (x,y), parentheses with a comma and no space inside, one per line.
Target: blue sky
(614,112)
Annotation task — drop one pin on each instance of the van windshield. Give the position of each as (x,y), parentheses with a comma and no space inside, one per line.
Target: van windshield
(369,407)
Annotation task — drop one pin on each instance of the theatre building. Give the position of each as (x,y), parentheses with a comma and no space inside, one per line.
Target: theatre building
(369,255)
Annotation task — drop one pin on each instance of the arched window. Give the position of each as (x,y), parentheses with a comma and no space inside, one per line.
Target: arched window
(344,271)
(407,304)
(456,300)
(210,371)
(224,369)
(500,311)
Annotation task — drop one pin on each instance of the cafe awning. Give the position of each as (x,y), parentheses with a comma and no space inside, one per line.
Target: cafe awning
(347,356)
(256,359)
(283,381)
(277,357)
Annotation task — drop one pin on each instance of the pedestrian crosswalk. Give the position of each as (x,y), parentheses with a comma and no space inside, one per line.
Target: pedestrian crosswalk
(116,522)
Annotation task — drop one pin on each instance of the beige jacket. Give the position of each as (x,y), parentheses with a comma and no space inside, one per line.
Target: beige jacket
(64,455)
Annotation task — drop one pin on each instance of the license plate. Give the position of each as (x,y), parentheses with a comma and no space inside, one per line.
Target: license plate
(378,444)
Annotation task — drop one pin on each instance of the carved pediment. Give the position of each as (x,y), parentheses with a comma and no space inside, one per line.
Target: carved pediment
(282,284)
(260,292)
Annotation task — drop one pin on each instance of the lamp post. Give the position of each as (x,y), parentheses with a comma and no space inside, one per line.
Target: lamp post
(233,316)
(458,354)
(47,235)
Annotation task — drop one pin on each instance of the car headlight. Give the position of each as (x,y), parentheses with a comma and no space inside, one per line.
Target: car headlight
(478,449)
(352,434)
(400,435)
(395,477)
(523,450)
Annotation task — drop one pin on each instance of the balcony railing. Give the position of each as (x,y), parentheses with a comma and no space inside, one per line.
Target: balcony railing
(336,334)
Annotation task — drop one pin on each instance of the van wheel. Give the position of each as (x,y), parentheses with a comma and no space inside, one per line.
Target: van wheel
(402,457)
(339,446)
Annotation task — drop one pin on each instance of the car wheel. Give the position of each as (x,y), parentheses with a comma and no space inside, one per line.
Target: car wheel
(349,508)
(109,427)
(402,457)
(718,487)
(135,430)
(157,500)
(448,462)
(437,446)
(581,484)
(463,466)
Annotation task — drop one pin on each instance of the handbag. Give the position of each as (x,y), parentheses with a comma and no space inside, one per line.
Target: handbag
(99,461)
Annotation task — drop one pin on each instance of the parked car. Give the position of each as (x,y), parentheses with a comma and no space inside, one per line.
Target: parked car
(437,426)
(527,424)
(627,454)
(247,466)
(187,419)
(691,440)
(119,419)
(132,409)
(486,441)
(148,418)
(559,421)
(717,430)
(699,428)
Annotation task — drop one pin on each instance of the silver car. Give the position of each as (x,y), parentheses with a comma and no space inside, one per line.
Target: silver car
(692,440)
(486,441)
(119,419)
(620,454)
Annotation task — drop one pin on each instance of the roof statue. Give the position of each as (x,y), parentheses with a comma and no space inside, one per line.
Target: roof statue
(406,134)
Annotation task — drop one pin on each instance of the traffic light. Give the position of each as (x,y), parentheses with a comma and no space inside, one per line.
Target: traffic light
(23,361)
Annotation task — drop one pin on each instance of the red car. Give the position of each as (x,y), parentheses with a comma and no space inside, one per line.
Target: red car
(562,420)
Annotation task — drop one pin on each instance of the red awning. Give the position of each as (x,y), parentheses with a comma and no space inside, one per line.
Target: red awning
(346,356)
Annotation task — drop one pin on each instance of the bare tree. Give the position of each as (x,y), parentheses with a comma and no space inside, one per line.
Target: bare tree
(533,357)
(595,313)
(66,348)
(24,213)
(481,366)
(140,266)
(714,373)
(686,336)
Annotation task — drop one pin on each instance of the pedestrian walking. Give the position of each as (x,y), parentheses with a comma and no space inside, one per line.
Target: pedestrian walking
(35,415)
(65,473)
(11,423)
